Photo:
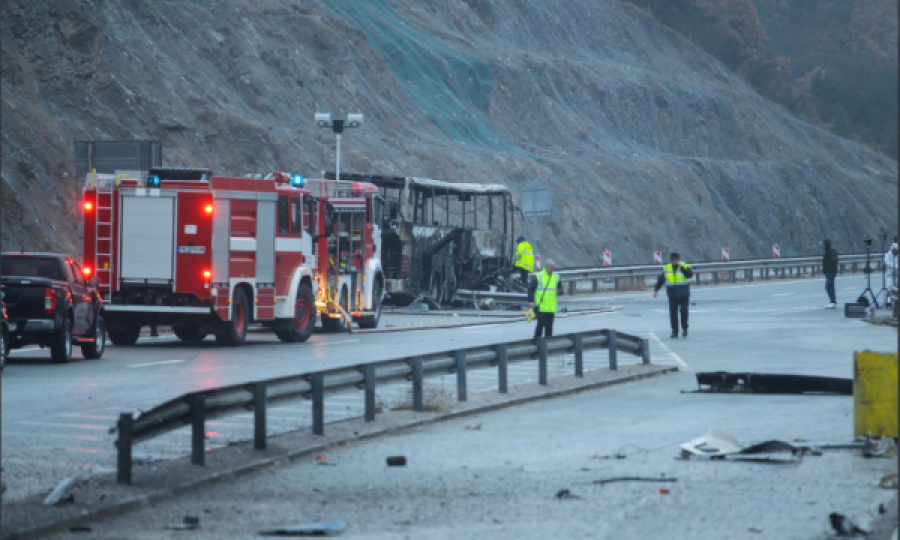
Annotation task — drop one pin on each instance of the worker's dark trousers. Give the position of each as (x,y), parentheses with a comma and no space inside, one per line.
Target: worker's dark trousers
(523,274)
(544,321)
(829,287)
(676,305)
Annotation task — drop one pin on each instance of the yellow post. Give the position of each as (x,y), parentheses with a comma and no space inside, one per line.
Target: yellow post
(874,394)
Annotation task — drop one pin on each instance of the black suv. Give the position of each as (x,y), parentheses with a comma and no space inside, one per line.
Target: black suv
(49,302)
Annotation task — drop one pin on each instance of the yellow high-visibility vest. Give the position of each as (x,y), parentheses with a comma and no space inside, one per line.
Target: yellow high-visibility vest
(545,294)
(525,257)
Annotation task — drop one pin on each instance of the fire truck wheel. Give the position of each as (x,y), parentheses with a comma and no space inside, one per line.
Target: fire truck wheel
(94,350)
(126,335)
(234,332)
(61,343)
(301,326)
(371,321)
(188,333)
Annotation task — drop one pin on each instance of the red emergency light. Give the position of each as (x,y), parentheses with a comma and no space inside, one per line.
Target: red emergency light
(87,271)
(88,207)
(208,209)
(207,275)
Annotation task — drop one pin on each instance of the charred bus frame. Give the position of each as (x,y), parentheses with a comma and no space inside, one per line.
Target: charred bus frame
(439,236)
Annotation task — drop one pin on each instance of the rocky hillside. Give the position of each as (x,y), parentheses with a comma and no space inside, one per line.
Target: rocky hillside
(647,142)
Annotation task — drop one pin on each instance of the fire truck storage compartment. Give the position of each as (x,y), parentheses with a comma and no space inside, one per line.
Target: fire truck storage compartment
(148,237)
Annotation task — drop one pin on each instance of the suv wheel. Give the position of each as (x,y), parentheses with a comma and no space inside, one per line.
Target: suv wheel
(61,343)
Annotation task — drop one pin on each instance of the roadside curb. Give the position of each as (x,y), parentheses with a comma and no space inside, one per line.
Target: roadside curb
(466,409)
(505,320)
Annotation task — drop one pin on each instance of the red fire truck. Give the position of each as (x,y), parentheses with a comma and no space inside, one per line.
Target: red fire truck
(212,254)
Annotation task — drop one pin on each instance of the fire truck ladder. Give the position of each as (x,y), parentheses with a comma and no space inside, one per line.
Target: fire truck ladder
(103,224)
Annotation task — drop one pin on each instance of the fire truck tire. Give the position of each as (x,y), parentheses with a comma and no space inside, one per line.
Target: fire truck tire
(61,343)
(93,351)
(188,333)
(234,332)
(300,328)
(124,336)
(371,321)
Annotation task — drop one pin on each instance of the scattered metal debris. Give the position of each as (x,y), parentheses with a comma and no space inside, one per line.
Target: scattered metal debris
(396,461)
(566,494)
(762,383)
(190,523)
(635,479)
(884,447)
(889,481)
(328,528)
(60,493)
(716,442)
(844,527)
(721,445)
(476,427)
(80,529)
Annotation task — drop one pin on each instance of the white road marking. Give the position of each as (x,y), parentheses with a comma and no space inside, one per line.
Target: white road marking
(674,356)
(335,342)
(783,294)
(31,434)
(477,326)
(60,424)
(154,363)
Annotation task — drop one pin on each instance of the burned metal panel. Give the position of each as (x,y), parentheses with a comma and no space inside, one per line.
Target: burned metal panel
(764,383)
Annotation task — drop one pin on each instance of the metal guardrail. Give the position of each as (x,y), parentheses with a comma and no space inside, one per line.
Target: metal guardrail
(765,267)
(196,407)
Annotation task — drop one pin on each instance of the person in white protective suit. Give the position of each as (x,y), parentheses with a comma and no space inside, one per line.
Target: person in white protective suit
(890,265)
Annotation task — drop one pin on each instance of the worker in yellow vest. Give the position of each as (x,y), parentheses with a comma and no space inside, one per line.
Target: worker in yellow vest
(542,293)
(524,259)
(677,277)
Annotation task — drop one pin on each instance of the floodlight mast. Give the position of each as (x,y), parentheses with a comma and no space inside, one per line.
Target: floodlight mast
(324,120)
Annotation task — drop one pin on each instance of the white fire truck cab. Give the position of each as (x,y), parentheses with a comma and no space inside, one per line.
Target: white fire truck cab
(209,254)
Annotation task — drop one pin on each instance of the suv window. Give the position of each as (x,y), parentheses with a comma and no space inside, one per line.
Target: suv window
(284,217)
(29,266)
(77,274)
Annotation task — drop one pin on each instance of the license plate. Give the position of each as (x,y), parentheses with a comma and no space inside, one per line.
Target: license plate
(13,327)
(196,250)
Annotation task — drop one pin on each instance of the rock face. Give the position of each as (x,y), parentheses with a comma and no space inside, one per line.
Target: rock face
(646,142)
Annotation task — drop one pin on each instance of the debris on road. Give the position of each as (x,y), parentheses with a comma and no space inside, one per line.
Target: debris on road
(328,528)
(60,493)
(716,442)
(80,529)
(763,383)
(476,427)
(635,479)
(566,494)
(663,491)
(843,526)
(396,461)
(889,481)
(884,447)
(189,524)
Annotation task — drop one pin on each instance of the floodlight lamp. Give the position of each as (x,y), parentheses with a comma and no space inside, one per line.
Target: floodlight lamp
(354,120)
(323,120)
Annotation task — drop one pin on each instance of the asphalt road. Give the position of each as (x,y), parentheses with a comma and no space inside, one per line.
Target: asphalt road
(56,417)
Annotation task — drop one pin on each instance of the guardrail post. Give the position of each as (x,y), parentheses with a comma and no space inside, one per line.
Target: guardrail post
(697,276)
(542,361)
(198,429)
(750,275)
(715,278)
(784,272)
(124,445)
(502,368)
(572,288)
(594,286)
(734,276)
(841,269)
(768,274)
(617,284)
(577,341)
(461,392)
(259,416)
(418,372)
(369,385)
(645,351)
(318,403)
(613,350)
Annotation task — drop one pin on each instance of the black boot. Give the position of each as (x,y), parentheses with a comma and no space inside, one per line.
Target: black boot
(684,332)
(674,334)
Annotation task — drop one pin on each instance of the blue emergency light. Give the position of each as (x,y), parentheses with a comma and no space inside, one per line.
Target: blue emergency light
(152,181)
(297,180)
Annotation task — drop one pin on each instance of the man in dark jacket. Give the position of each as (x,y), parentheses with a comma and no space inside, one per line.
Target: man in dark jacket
(676,277)
(830,269)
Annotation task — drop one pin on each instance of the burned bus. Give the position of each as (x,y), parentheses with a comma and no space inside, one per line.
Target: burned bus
(439,237)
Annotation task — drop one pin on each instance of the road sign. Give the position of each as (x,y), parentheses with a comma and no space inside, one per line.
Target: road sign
(535,201)
(725,255)
(657,257)
(776,251)
(607,258)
